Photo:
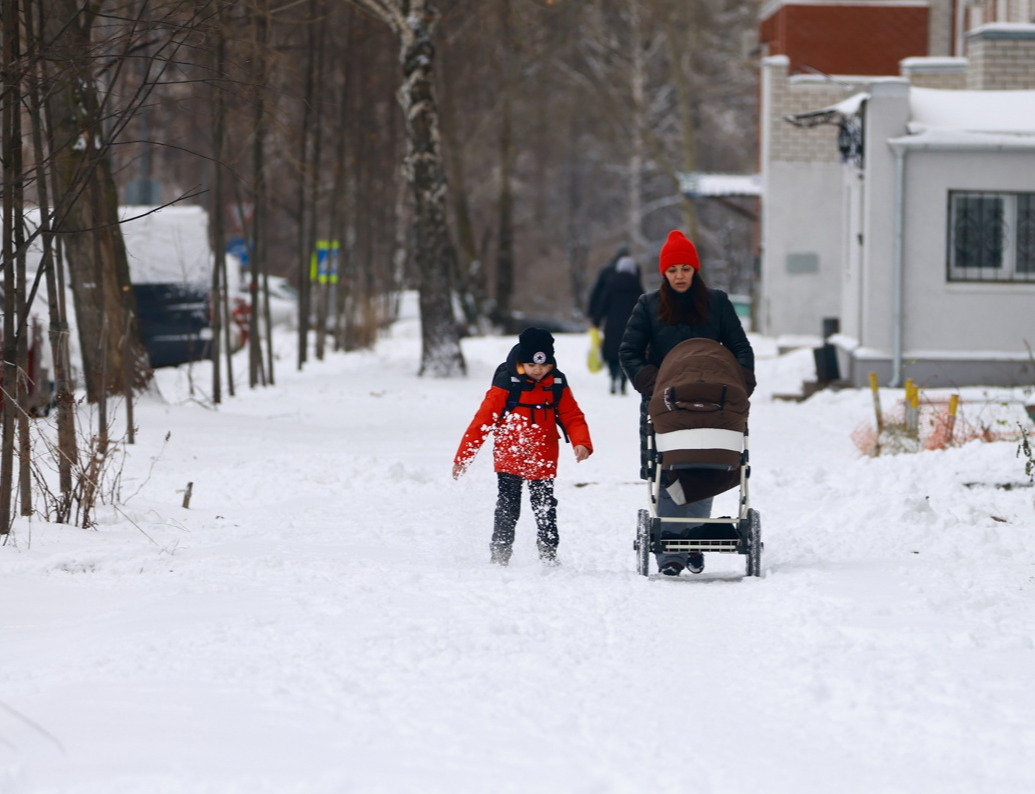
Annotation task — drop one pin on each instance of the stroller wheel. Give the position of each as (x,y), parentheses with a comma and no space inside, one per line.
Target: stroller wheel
(754,544)
(642,542)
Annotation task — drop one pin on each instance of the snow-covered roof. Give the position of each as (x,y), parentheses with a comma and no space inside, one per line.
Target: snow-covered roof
(947,118)
(961,140)
(831,114)
(1011,112)
(697,185)
(1021,30)
(934,63)
(169,245)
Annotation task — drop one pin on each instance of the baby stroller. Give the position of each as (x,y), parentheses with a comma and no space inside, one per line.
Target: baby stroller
(697,446)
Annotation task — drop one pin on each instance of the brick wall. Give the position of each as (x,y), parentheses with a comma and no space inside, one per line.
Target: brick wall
(792,95)
(1002,57)
(846,38)
(944,73)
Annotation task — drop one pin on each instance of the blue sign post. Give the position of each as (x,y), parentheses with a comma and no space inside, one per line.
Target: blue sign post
(323,265)
(238,246)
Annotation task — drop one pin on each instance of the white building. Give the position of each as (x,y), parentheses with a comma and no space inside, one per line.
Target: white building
(904,207)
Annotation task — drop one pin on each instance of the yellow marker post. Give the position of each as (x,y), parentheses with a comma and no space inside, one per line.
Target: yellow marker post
(876,402)
(950,422)
(912,408)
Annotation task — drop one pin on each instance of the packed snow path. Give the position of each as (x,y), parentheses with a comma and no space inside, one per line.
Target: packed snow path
(324,618)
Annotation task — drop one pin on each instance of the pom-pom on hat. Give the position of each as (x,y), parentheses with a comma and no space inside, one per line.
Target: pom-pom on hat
(626,265)
(535,346)
(678,250)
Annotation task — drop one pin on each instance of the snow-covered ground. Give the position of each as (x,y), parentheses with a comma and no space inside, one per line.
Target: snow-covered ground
(323,618)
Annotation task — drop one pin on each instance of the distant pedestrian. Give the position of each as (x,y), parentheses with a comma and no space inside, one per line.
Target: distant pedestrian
(527,402)
(621,292)
(597,295)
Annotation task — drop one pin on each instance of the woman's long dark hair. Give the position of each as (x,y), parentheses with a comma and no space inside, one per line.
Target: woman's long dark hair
(689,308)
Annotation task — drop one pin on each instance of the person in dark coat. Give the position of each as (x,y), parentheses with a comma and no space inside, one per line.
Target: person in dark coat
(597,294)
(621,292)
(683,308)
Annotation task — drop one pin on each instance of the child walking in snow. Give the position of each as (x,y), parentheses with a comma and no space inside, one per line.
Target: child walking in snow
(527,401)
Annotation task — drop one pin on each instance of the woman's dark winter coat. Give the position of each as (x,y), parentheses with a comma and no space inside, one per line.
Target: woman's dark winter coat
(648,339)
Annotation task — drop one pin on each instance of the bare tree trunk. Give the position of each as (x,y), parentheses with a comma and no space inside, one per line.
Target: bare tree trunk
(90,222)
(469,279)
(435,254)
(9,29)
(258,267)
(577,245)
(413,22)
(679,51)
(217,233)
(324,282)
(50,265)
(219,141)
(307,173)
(12,151)
(339,222)
(638,79)
(505,209)
(219,294)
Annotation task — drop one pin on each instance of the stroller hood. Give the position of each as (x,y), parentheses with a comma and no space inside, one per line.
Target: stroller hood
(699,412)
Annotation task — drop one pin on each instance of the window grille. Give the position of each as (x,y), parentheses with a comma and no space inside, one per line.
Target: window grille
(991,236)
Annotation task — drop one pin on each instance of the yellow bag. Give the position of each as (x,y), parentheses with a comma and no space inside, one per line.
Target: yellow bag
(593,358)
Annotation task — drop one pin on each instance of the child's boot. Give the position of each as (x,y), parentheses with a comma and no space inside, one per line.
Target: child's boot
(501,554)
(548,554)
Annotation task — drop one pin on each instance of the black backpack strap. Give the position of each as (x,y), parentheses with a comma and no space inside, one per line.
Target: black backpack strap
(502,379)
(559,384)
(515,385)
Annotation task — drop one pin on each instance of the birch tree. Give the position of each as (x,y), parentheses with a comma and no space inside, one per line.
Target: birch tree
(413,23)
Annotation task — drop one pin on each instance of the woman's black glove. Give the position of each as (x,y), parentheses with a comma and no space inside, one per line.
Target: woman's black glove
(749,379)
(645,380)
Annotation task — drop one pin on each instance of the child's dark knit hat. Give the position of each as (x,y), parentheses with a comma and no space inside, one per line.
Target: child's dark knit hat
(535,346)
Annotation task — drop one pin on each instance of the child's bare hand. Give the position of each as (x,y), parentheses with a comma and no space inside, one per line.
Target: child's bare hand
(581,453)
(458,469)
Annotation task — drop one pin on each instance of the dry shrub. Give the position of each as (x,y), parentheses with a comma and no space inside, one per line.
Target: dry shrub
(934,429)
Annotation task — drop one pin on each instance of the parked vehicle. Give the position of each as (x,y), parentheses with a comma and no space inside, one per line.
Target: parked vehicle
(174,323)
(170,266)
(283,301)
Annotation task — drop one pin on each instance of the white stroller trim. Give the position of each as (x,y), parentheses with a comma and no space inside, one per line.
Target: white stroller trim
(701,438)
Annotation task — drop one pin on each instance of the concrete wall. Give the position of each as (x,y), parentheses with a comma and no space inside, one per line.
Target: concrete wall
(959,315)
(887,113)
(939,372)
(951,332)
(802,215)
(850,310)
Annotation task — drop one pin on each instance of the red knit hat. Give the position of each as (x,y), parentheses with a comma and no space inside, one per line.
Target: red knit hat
(677,250)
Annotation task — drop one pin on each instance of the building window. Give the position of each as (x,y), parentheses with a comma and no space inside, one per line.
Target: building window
(991,236)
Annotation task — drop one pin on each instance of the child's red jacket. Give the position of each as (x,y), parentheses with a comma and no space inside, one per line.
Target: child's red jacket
(526,438)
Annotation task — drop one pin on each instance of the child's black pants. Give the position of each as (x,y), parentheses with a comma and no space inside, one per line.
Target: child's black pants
(508,509)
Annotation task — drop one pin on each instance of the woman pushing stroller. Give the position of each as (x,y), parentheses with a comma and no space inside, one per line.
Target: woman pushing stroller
(683,308)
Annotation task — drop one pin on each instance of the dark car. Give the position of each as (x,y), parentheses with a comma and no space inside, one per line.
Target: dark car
(174,322)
